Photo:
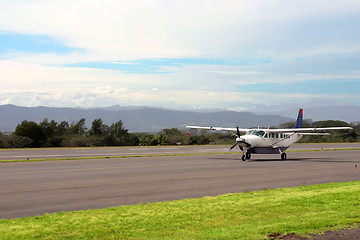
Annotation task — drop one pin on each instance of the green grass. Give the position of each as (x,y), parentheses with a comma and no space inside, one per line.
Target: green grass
(249,215)
(120,156)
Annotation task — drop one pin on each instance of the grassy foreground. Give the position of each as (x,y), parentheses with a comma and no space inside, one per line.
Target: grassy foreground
(249,215)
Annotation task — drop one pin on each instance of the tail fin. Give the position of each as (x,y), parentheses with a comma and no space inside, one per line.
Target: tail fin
(299,121)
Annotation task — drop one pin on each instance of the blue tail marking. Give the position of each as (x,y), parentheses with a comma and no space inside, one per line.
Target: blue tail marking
(299,121)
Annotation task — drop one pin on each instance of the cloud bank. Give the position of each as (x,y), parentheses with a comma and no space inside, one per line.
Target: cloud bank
(182,54)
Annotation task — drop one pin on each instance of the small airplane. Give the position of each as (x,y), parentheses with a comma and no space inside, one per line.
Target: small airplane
(269,141)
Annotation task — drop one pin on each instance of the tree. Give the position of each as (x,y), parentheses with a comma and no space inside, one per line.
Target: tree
(14,141)
(133,140)
(33,131)
(78,128)
(336,135)
(306,123)
(199,140)
(62,128)
(53,133)
(330,123)
(3,142)
(148,140)
(173,136)
(117,135)
(78,141)
(120,135)
(96,127)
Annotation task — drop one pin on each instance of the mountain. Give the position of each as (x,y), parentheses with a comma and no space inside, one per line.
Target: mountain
(144,119)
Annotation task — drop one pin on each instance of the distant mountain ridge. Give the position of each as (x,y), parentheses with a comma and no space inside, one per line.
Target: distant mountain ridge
(136,119)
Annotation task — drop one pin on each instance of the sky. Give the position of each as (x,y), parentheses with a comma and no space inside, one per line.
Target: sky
(236,55)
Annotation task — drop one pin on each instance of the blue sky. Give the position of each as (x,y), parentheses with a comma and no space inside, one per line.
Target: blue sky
(15,43)
(310,87)
(146,66)
(236,55)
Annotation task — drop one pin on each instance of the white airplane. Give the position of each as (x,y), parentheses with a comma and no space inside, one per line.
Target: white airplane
(269,141)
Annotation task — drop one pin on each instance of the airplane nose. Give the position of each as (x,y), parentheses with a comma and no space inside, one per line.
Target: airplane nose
(238,139)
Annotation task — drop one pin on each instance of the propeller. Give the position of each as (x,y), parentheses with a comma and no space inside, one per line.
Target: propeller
(233,146)
(238,131)
(237,142)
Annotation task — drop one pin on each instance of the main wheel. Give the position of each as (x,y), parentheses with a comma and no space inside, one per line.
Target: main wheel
(283,156)
(248,155)
(243,157)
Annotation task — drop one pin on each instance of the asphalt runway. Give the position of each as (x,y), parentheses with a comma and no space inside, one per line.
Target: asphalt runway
(35,188)
(52,153)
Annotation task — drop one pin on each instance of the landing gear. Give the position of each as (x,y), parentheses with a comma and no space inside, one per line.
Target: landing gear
(246,156)
(283,156)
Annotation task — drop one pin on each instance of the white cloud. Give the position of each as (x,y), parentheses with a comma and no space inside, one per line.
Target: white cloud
(263,41)
(194,86)
(125,63)
(191,87)
(180,99)
(129,30)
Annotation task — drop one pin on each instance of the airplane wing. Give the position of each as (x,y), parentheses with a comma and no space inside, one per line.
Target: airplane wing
(302,131)
(307,131)
(220,128)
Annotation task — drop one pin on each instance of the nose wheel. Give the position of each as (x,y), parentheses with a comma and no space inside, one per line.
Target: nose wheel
(246,156)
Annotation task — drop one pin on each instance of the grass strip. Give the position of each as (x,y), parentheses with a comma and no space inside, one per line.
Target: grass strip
(162,155)
(121,156)
(323,150)
(250,215)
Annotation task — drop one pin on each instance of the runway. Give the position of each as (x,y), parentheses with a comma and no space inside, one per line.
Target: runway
(35,188)
(53,153)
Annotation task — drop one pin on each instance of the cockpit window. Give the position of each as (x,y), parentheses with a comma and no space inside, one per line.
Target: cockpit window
(249,132)
(259,133)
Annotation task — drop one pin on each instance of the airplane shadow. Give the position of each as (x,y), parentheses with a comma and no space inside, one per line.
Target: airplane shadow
(304,160)
(287,160)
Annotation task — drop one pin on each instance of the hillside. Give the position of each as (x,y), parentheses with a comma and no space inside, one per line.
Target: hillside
(144,119)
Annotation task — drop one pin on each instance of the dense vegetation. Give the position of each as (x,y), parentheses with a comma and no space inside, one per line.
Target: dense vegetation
(54,134)
(336,136)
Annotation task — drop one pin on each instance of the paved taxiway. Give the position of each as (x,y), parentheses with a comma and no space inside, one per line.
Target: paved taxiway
(33,188)
(51,153)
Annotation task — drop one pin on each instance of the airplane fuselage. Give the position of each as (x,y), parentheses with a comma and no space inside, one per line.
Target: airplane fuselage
(262,142)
